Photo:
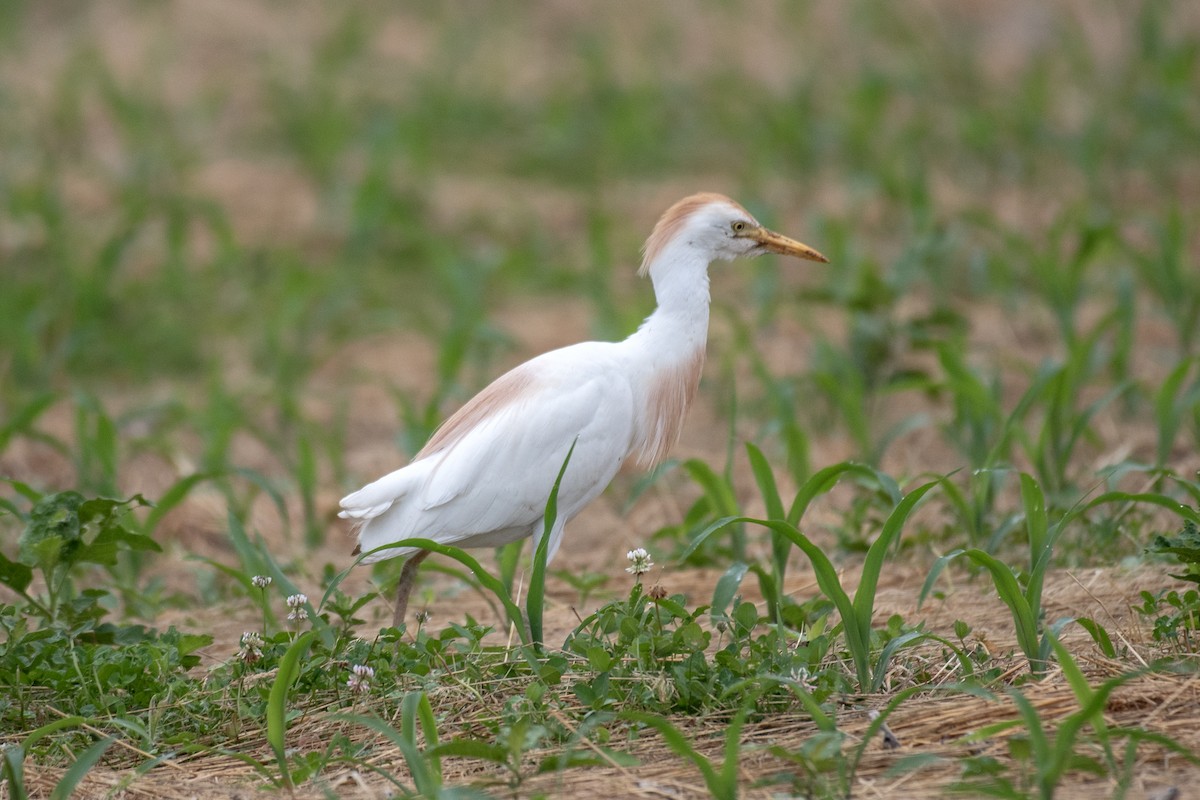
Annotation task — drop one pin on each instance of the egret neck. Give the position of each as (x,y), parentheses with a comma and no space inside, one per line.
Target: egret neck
(667,350)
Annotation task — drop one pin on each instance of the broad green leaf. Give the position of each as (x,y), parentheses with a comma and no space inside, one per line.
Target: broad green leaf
(15,575)
(54,531)
(727,587)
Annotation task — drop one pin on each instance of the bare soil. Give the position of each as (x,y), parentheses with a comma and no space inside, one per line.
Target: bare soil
(198,45)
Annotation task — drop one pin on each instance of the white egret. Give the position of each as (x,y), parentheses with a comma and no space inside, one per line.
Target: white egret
(483,478)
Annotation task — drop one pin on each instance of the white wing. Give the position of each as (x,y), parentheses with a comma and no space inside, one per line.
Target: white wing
(485,477)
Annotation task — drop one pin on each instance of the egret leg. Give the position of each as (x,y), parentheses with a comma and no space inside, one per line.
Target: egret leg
(408,579)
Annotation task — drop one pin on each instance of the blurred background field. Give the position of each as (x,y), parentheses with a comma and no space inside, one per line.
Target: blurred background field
(251,253)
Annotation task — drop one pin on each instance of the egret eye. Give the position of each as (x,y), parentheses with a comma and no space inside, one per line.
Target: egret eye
(739,226)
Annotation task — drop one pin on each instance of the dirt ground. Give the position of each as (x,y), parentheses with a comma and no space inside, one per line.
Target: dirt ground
(929,725)
(270,200)
(596,541)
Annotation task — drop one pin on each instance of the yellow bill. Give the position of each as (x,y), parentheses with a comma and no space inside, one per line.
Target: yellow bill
(774,242)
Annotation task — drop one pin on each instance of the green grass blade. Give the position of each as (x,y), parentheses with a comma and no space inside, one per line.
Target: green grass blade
(289,670)
(677,742)
(87,759)
(51,727)
(899,699)
(171,498)
(765,478)
(1041,539)
(1167,411)
(831,586)
(716,488)
(418,765)
(22,421)
(728,776)
(508,558)
(889,650)
(12,769)
(1034,502)
(1043,380)
(825,479)
(1162,500)
(1057,760)
(821,719)
(1099,635)
(415,707)
(1161,739)
(535,598)
(1035,727)
(864,596)
(485,578)
(720,495)
(1024,617)
(1083,692)
(472,748)
(702,537)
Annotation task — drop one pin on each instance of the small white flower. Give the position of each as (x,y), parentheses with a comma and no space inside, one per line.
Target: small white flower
(639,561)
(251,649)
(360,678)
(296,604)
(261,581)
(801,676)
(423,616)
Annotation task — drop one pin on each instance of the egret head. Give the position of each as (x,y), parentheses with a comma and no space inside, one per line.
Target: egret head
(719,228)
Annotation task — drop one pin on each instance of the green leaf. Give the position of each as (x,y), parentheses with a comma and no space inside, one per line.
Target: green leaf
(289,671)
(703,536)
(825,479)
(765,479)
(607,757)
(24,489)
(15,575)
(105,511)
(23,419)
(599,659)
(427,782)
(12,769)
(472,748)
(54,530)
(103,549)
(171,498)
(934,572)
(727,587)
(1036,522)
(535,600)
(678,743)
(1079,685)
(864,596)
(490,582)
(33,737)
(889,650)
(1099,636)
(1185,545)
(1024,617)
(87,759)
(416,706)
